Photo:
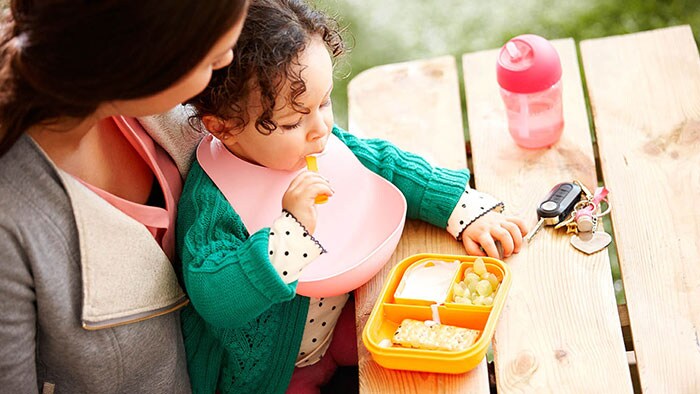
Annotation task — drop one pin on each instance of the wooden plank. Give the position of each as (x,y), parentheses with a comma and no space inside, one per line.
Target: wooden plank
(560,330)
(645,95)
(415,105)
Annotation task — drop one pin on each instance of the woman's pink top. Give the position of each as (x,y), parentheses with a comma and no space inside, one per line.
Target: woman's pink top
(159,221)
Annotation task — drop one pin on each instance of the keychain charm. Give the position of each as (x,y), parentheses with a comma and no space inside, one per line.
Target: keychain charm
(587,238)
(572,205)
(584,216)
(591,242)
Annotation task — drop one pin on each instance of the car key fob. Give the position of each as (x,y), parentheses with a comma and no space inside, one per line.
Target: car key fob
(556,206)
(559,202)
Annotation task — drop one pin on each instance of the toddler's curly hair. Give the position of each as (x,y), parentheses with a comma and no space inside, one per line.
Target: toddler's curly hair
(274,34)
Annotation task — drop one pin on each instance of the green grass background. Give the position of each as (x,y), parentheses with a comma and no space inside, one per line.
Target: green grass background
(388,31)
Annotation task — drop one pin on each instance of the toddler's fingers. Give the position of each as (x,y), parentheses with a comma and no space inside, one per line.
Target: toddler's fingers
(310,176)
(472,247)
(514,231)
(520,223)
(489,245)
(317,188)
(506,239)
(307,179)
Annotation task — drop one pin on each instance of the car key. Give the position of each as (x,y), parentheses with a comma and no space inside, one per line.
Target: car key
(556,206)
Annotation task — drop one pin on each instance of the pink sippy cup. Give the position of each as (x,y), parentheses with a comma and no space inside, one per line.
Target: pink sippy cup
(529,73)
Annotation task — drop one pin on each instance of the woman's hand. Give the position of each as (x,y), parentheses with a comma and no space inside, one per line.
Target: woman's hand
(482,234)
(300,195)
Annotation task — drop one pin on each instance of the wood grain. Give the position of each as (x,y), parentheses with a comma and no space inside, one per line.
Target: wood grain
(416,106)
(560,330)
(645,96)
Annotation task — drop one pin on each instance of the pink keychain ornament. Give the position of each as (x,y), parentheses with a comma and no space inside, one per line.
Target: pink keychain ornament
(586,215)
(589,238)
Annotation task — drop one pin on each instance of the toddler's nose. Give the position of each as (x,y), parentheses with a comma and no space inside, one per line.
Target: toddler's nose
(319,129)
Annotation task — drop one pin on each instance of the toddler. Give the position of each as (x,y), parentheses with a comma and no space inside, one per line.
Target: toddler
(247,330)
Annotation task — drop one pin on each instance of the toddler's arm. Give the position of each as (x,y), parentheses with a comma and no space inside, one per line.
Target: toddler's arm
(441,196)
(431,192)
(291,247)
(229,275)
(479,227)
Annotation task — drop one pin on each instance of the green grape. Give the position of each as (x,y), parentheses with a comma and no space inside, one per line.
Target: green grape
(471,277)
(479,300)
(484,288)
(493,279)
(471,286)
(460,289)
(488,300)
(479,266)
(464,300)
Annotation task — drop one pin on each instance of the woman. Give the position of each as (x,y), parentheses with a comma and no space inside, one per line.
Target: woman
(87,198)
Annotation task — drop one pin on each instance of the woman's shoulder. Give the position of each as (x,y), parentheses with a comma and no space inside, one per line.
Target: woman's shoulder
(24,154)
(36,213)
(29,184)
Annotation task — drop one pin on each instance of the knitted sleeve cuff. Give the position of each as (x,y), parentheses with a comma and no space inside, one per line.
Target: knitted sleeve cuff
(471,206)
(291,247)
(441,195)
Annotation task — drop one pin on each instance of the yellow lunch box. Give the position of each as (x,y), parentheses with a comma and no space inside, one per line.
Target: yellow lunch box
(389,311)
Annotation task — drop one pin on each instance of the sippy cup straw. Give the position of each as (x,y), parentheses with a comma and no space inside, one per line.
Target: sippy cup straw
(313,166)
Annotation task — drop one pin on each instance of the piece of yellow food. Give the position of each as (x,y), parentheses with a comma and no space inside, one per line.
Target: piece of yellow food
(433,336)
(311,163)
(313,166)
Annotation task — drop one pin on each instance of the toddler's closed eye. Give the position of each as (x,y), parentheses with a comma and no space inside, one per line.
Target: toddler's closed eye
(291,126)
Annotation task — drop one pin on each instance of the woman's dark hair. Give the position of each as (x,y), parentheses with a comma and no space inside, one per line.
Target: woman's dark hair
(63,58)
(274,34)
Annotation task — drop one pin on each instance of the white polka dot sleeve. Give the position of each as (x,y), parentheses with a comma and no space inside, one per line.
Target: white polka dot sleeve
(291,247)
(471,206)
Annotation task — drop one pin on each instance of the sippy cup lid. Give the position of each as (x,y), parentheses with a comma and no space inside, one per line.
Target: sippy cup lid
(528,63)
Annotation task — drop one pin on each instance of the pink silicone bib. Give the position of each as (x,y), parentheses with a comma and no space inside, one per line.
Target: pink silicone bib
(359,226)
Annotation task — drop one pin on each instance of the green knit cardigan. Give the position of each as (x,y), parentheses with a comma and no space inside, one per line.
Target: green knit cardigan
(244,326)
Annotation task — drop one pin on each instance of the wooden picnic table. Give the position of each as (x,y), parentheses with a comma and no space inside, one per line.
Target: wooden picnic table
(561,329)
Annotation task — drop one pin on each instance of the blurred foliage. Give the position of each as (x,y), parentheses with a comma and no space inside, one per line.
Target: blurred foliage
(388,31)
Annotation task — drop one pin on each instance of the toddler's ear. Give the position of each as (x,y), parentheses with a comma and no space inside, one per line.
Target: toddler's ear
(216,126)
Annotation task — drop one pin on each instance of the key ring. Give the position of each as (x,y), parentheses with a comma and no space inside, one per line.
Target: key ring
(607,211)
(566,221)
(587,211)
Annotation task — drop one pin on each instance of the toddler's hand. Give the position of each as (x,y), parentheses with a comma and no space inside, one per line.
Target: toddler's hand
(492,227)
(300,195)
